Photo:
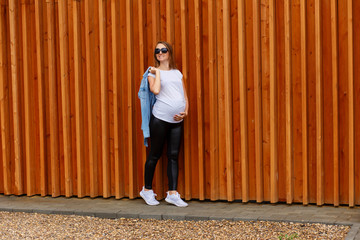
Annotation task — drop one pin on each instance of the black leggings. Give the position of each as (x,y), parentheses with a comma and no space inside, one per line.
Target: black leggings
(159,132)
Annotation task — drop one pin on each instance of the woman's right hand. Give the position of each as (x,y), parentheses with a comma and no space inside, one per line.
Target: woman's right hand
(153,70)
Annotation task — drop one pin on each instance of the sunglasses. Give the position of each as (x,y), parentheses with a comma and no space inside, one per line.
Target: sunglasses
(163,50)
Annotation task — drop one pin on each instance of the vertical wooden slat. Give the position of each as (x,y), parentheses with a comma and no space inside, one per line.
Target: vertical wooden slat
(304,110)
(199,102)
(15,82)
(319,106)
(54,135)
(288,104)
(214,193)
(335,101)
(228,102)
(91,93)
(4,102)
(79,106)
(28,94)
(170,33)
(65,94)
(243,103)
(41,94)
(351,104)
(131,154)
(119,166)
(170,37)
(184,29)
(258,102)
(273,109)
(155,18)
(156,36)
(104,100)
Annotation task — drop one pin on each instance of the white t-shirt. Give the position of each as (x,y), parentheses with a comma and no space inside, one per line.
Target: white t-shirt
(171,99)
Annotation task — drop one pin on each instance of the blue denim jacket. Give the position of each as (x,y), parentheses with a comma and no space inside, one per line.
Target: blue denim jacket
(147,101)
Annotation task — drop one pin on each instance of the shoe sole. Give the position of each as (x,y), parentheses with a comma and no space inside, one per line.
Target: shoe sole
(147,201)
(171,202)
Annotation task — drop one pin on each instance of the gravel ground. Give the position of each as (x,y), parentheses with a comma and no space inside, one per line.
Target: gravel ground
(43,226)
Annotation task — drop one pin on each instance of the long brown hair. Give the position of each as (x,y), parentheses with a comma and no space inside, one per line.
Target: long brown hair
(172,64)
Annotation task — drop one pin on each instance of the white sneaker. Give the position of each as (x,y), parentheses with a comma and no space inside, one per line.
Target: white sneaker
(175,199)
(149,197)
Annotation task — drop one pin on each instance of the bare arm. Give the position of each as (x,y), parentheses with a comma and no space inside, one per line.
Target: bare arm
(154,83)
(182,115)
(186,99)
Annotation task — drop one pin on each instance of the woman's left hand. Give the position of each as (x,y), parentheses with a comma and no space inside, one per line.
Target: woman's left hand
(180,116)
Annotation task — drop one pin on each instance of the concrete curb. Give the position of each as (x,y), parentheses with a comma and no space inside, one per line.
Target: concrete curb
(197,211)
(353,232)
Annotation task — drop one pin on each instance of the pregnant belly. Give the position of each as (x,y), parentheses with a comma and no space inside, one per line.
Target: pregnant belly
(169,109)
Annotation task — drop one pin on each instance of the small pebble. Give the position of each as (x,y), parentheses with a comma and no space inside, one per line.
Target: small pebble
(43,226)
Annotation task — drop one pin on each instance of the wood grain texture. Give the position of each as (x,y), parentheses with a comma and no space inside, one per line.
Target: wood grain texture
(319,107)
(119,166)
(199,100)
(130,108)
(184,27)
(253,70)
(273,108)
(335,101)
(304,104)
(228,102)
(15,81)
(243,103)
(104,100)
(351,104)
(79,101)
(91,91)
(214,159)
(28,101)
(4,104)
(258,102)
(65,94)
(288,104)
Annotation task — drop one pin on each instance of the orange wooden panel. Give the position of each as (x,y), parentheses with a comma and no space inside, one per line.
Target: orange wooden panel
(228,102)
(119,165)
(356,22)
(273,109)
(41,94)
(335,102)
(170,36)
(91,93)
(297,101)
(265,93)
(351,104)
(130,108)
(65,94)
(247,52)
(214,160)
(79,105)
(199,101)
(327,105)
(319,106)
(258,102)
(142,67)
(288,104)
(184,27)
(4,105)
(104,100)
(243,103)
(28,95)
(14,45)
(304,120)
(54,128)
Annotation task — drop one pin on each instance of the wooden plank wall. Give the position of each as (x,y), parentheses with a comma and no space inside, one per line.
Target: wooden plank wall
(274,90)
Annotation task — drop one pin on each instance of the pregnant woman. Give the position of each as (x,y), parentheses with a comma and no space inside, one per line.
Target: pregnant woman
(169,110)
